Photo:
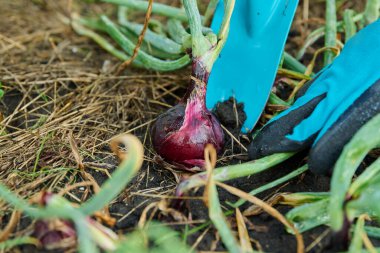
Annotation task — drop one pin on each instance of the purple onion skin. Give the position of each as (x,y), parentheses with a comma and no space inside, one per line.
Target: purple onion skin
(55,234)
(180,134)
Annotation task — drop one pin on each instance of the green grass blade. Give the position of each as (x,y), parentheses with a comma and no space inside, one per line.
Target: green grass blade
(1,90)
(40,149)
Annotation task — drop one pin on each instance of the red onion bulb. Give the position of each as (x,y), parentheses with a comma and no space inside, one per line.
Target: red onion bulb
(180,134)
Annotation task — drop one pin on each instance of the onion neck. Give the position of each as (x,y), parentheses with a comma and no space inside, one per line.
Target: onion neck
(204,51)
(198,82)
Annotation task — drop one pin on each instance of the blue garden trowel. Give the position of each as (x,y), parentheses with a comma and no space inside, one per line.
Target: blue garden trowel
(248,63)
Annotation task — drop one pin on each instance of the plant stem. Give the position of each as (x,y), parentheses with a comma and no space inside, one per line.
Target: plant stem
(160,9)
(123,174)
(318,33)
(294,74)
(275,100)
(369,176)
(357,241)
(147,60)
(349,24)
(103,43)
(176,30)
(165,44)
(309,215)
(86,245)
(272,184)
(21,204)
(293,64)
(233,171)
(148,48)
(200,45)
(223,32)
(330,36)
(205,53)
(219,220)
(367,138)
(299,198)
(373,231)
(372,11)
(311,39)
(9,244)
(209,12)
(96,24)
(225,26)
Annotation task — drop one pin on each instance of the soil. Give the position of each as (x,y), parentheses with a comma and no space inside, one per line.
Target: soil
(43,59)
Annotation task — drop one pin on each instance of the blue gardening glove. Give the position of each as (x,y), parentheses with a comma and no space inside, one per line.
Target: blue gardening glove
(330,108)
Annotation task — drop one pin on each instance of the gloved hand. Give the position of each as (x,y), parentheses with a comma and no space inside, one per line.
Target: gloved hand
(330,108)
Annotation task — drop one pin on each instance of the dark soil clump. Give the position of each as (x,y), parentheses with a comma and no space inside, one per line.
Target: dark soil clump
(231,115)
